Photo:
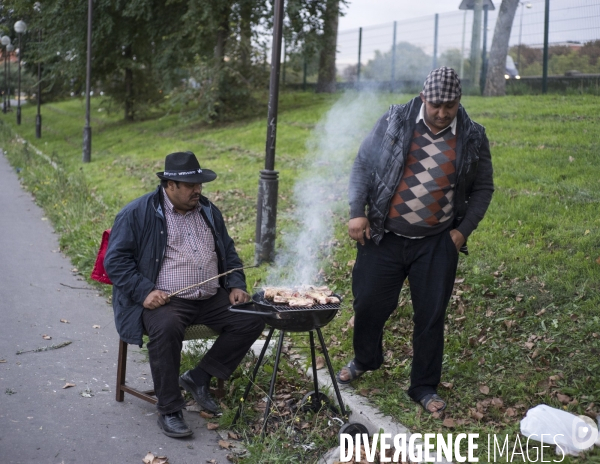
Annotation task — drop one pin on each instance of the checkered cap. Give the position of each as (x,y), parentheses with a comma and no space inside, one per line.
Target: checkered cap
(442,85)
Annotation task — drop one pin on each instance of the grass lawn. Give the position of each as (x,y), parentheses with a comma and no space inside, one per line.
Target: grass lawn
(523,326)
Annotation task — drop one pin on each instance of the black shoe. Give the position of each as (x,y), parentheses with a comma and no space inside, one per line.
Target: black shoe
(173,425)
(200,393)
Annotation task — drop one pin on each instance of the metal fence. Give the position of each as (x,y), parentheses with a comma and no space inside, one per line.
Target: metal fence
(370,54)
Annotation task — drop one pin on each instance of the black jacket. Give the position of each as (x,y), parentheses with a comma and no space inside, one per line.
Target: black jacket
(135,253)
(379,166)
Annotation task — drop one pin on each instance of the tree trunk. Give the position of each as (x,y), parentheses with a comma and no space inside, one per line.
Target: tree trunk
(475,57)
(245,34)
(326,80)
(129,111)
(495,83)
(222,34)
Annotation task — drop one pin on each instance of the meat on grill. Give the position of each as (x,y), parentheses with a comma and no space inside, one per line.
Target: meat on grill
(302,297)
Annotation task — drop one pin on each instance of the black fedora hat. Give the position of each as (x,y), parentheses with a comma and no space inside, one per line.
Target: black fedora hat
(183,166)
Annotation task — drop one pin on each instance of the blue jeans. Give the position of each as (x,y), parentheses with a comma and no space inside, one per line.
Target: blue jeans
(379,273)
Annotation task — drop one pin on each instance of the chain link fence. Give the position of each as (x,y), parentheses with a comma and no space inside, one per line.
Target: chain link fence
(399,54)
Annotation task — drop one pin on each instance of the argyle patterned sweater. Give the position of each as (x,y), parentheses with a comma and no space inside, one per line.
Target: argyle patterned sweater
(422,204)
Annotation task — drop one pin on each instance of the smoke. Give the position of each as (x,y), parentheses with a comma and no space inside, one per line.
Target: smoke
(321,192)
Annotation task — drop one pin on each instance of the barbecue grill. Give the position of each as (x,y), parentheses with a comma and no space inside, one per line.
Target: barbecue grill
(291,319)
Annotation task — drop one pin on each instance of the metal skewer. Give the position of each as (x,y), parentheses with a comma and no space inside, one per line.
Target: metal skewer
(212,278)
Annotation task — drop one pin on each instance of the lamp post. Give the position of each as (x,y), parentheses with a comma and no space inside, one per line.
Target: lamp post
(5,40)
(87,130)
(38,116)
(20,28)
(9,49)
(37,6)
(523,5)
(268,184)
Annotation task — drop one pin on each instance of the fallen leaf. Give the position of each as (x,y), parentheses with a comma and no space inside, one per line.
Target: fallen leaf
(95,326)
(2,360)
(497,402)
(351,322)
(476,415)
(529,345)
(64,321)
(564,399)
(151,459)
(509,323)
(448,385)
(484,389)
(225,444)
(481,361)
(586,232)
(510,412)
(212,461)
(598,260)
(364,391)
(206,415)
(519,298)
(233,436)
(448,422)
(46,337)
(351,262)
(535,354)
(320,362)
(212,426)
(67,385)
(539,313)
(571,159)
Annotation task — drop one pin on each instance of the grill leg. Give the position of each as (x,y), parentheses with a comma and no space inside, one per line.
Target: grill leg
(331,373)
(314,366)
(256,367)
(273,379)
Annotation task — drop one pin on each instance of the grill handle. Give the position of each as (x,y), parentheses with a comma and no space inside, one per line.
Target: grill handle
(237,308)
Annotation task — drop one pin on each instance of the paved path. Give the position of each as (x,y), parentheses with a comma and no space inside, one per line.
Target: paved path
(40,422)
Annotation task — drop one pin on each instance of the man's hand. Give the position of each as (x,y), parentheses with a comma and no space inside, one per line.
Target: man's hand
(457,238)
(238,295)
(359,228)
(155,299)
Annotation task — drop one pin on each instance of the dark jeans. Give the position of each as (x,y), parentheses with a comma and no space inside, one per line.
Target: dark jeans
(378,275)
(166,326)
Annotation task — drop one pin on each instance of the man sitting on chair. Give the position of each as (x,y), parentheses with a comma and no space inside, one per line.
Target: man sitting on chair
(161,243)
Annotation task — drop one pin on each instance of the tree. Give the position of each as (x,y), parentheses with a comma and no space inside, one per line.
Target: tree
(412,64)
(495,83)
(326,79)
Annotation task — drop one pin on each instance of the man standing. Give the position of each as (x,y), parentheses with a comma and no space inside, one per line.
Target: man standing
(425,175)
(163,242)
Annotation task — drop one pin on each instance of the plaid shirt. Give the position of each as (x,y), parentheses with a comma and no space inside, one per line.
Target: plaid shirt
(190,256)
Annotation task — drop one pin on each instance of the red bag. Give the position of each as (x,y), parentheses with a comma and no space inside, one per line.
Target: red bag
(98,273)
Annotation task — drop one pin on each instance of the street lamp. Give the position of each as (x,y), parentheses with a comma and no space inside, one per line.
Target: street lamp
(526,5)
(5,40)
(38,116)
(87,130)
(9,49)
(20,28)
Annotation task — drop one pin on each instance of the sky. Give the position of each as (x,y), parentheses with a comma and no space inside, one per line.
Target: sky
(372,12)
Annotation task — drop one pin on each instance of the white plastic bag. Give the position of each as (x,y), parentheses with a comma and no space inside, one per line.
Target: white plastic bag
(568,431)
